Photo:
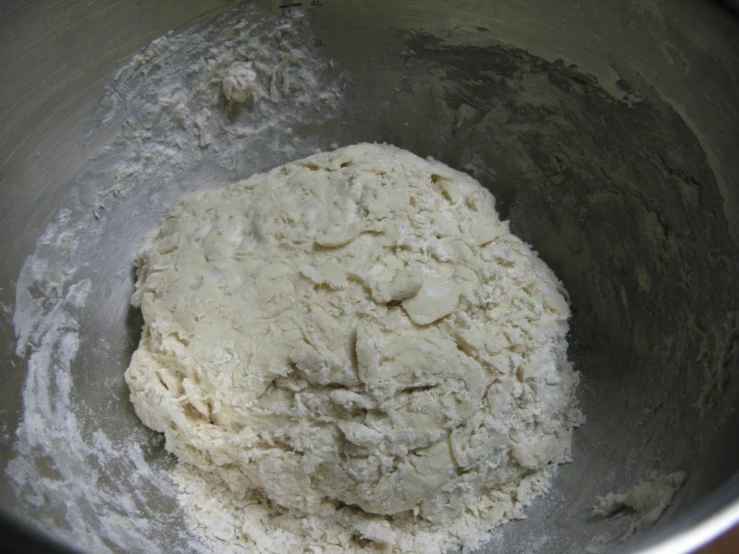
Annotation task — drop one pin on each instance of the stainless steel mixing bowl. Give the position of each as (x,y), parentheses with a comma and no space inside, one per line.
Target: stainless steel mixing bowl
(608,132)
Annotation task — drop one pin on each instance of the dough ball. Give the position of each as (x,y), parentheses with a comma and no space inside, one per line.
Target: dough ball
(357,328)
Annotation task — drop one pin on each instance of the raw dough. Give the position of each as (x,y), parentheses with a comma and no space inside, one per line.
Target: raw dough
(240,84)
(354,330)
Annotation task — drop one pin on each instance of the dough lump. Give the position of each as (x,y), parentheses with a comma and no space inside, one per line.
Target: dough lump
(240,84)
(357,328)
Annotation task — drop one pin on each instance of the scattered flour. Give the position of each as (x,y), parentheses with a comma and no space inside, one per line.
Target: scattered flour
(168,115)
(645,502)
(357,354)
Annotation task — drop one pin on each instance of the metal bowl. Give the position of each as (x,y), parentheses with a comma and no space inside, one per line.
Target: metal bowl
(606,130)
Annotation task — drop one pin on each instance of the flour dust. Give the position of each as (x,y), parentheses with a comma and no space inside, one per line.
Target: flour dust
(182,108)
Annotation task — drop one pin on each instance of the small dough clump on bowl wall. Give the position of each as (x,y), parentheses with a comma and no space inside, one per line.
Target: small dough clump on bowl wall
(355,331)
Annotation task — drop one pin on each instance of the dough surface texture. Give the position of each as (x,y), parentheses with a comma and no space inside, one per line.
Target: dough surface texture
(357,337)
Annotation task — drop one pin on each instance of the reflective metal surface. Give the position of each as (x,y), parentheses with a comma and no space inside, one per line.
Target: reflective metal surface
(606,130)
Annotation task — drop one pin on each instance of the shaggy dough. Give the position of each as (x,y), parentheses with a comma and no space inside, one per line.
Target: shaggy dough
(240,84)
(357,328)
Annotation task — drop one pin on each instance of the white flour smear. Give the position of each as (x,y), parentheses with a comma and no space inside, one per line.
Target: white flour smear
(642,505)
(173,118)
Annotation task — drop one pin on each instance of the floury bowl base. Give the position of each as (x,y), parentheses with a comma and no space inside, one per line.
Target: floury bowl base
(606,131)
